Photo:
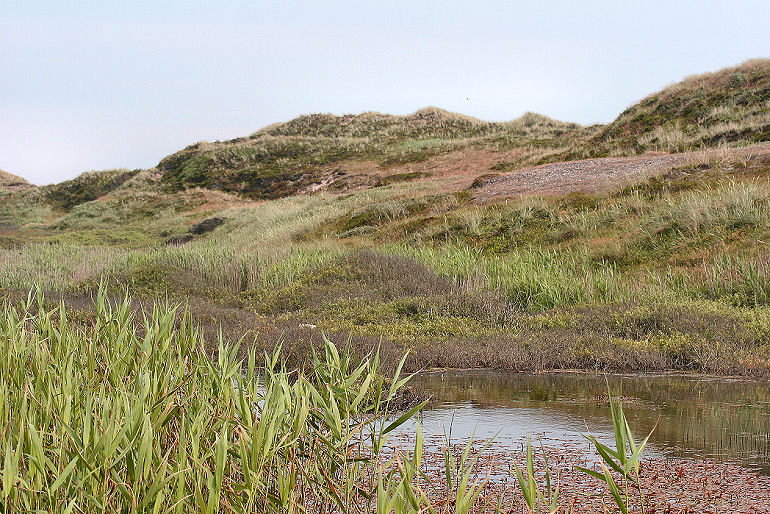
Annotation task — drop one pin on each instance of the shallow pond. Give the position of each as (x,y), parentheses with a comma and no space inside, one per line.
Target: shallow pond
(696,416)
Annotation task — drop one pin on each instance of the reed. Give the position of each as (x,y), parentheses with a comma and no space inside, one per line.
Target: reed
(624,460)
(112,418)
(534,496)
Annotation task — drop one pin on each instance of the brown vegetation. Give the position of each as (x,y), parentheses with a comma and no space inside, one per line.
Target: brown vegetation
(669,485)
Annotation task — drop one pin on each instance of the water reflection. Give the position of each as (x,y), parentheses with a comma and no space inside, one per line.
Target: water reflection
(697,416)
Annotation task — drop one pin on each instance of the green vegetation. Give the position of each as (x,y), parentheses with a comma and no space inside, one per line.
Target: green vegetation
(534,497)
(118,414)
(387,241)
(725,107)
(88,186)
(619,460)
(666,274)
(102,417)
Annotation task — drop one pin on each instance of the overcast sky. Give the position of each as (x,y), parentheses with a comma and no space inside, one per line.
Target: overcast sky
(97,84)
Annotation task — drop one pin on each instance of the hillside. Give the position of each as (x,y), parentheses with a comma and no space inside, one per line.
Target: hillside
(431,148)
(19,202)
(86,187)
(407,230)
(725,107)
(729,107)
(318,150)
(324,152)
(10,183)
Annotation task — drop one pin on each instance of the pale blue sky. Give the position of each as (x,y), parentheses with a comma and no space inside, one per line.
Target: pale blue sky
(96,84)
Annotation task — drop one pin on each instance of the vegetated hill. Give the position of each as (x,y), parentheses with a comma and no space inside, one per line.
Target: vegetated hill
(730,107)
(10,182)
(86,187)
(284,158)
(725,107)
(342,153)
(20,203)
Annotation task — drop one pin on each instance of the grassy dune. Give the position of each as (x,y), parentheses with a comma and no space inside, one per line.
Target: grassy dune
(726,106)
(282,159)
(667,274)
(670,272)
(729,107)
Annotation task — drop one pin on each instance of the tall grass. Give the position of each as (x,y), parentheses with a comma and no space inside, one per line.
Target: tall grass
(236,269)
(537,279)
(731,206)
(57,266)
(64,267)
(743,282)
(531,279)
(108,418)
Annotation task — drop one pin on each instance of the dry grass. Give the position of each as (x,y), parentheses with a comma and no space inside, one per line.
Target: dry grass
(10,182)
(288,157)
(731,206)
(729,106)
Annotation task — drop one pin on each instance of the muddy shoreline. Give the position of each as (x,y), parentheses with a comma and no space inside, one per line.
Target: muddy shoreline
(669,485)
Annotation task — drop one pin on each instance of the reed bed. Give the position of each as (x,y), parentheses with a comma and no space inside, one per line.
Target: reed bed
(110,418)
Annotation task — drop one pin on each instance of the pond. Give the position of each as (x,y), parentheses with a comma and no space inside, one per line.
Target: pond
(693,416)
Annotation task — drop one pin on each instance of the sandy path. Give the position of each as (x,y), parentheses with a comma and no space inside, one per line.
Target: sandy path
(595,175)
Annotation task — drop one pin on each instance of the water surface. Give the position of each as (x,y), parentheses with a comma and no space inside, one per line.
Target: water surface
(696,416)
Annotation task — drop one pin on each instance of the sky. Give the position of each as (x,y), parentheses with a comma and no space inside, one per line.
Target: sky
(120,84)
